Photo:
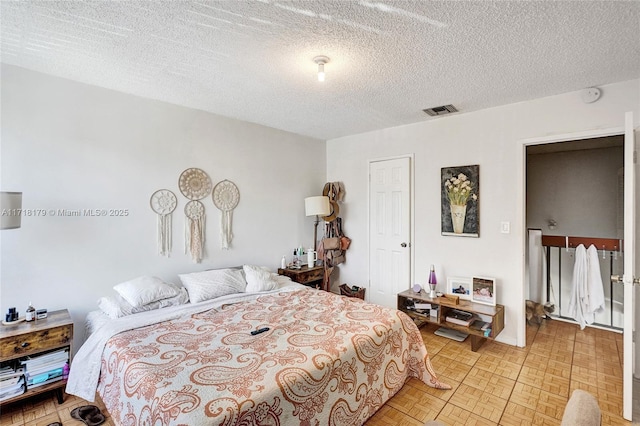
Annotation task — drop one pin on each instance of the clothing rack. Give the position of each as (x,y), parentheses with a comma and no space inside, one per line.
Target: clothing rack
(610,246)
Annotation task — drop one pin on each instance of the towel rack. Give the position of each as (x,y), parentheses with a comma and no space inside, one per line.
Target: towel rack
(608,244)
(612,245)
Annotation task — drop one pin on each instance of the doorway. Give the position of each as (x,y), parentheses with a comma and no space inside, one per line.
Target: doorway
(574,195)
(630,236)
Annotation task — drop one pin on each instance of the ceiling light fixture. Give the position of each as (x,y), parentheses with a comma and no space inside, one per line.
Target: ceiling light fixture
(321,60)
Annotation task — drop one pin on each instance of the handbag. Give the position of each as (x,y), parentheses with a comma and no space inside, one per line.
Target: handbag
(345,242)
(332,243)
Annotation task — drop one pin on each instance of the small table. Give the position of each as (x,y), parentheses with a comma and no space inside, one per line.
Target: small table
(311,277)
(18,341)
(492,314)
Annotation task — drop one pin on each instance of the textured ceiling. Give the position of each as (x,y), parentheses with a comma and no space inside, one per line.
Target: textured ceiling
(252,60)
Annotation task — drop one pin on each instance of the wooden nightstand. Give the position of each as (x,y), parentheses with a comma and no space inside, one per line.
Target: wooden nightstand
(25,339)
(311,277)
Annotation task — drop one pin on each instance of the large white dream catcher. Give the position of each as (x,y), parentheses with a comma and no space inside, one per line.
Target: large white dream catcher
(164,202)
(194,184)
(226,197)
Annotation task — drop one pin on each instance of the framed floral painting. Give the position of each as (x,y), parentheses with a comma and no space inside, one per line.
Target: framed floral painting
(460,189)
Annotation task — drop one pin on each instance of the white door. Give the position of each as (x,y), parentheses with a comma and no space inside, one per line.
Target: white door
(389,229)
(631,266)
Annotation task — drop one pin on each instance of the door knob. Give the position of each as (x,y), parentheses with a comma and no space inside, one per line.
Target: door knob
(403,245)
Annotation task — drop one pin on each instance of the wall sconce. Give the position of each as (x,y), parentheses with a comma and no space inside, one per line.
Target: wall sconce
(321,60)
(12,203)
(552,224)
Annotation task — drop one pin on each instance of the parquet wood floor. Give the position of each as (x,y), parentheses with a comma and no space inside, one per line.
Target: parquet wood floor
(505,385)
(498,385)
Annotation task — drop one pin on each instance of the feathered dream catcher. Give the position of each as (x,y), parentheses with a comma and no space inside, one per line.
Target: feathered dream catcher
(226,197)
(194,184)
(164,202)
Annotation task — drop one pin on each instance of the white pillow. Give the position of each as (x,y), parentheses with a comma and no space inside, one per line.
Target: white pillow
(208,285)
(117,307)
(259,278)
(114,307)
(144,290)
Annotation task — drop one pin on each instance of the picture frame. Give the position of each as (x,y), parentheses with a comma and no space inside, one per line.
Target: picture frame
(459,286)
(460,192)
(484,290)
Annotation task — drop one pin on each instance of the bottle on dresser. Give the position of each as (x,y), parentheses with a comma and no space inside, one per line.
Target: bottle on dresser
(30,313)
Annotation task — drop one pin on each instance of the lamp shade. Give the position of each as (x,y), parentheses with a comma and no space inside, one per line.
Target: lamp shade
(10,208)
(317,206)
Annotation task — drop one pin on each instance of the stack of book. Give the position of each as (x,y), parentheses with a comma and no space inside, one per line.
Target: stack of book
(463,318)
(44,369)
(12,382)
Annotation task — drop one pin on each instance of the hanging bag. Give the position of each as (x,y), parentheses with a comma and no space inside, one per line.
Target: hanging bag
(331,240)
(345,242)
(332,243)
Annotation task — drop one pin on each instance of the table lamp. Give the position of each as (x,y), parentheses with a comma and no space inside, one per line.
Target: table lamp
(316,206)
(11,203)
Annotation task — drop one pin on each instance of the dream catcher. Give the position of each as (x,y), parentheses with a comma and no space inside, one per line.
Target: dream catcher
(194,230)
(226,197)
(164,202)
(194,184)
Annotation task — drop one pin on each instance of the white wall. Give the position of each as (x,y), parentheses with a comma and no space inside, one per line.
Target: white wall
(67,145)
(578,189)
(492,138)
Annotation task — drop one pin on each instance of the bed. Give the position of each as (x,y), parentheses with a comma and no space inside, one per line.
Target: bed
(325,359)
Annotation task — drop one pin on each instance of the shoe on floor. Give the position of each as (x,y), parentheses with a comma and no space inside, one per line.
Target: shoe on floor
(90,415)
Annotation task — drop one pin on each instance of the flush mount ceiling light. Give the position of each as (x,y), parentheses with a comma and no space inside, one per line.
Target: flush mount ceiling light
(321,60)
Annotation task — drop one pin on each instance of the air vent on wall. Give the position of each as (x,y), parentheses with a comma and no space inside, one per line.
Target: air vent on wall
(441,110)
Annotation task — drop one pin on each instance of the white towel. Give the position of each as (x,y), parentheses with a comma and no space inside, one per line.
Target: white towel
(578,304)
(595,289)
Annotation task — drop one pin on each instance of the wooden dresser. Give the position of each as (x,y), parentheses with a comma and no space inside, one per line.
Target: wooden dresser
(311,277)
(18,341)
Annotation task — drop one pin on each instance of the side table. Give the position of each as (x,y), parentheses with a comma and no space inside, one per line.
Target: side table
(311,277)
(29,339)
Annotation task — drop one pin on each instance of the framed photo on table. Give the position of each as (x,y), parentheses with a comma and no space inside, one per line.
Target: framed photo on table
(459,286)
(484,290)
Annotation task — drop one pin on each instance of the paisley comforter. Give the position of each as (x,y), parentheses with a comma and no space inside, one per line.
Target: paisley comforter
(325,360)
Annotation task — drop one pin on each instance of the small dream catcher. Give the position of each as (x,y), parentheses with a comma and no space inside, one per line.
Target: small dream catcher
(164,202)
(194,230)
(226,197)
(194,184)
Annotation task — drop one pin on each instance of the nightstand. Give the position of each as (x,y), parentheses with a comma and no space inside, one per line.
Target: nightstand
(29,339)
(311,277)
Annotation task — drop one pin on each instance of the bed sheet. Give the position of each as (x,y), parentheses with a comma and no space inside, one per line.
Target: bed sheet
(326,359)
